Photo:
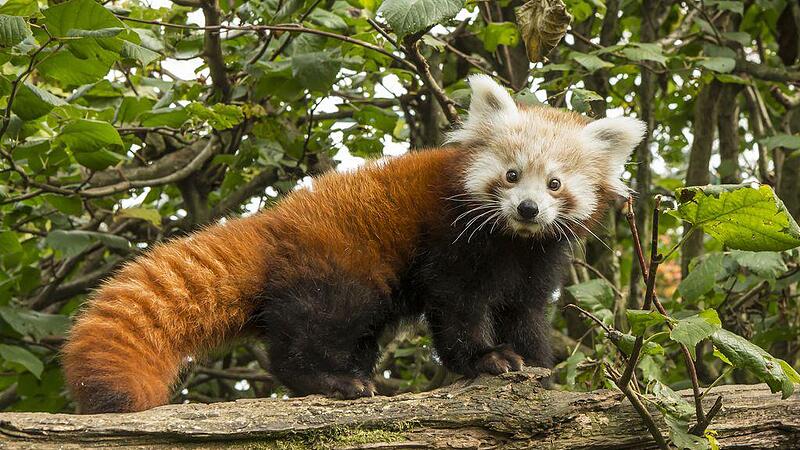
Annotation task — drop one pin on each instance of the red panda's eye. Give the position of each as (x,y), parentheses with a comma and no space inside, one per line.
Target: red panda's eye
(554,184)
(512,176)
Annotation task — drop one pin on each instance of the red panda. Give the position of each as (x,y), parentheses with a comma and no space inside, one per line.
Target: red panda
(472,236)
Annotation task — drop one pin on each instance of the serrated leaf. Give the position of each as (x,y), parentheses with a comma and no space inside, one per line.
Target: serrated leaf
(22,357)
(134,51)
(680,436)
(743,354)
(718,64)
(317,70)
(596,296)
(740,216)
(79,15)
(693,329)
(33,102)
(33,323)
(671,403)
(13,30)
(703,276)
(763,264)
(591,62)
(72,242)
(640,320)
(84,135)
(411,16)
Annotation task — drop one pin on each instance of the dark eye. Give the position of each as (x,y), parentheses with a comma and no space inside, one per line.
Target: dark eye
(554,184)
(512,176)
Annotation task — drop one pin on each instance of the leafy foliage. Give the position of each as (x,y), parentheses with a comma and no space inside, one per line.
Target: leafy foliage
(126,125)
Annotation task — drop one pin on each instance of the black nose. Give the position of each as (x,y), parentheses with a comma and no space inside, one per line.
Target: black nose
(528,209)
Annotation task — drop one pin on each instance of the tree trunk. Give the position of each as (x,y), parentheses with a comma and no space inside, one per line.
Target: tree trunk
(510,411)
(697,173)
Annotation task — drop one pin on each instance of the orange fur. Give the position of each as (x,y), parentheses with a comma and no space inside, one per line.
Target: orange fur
(190,295)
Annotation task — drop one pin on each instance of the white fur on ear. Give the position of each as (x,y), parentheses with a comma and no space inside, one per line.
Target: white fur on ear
(616,138)
(490,107)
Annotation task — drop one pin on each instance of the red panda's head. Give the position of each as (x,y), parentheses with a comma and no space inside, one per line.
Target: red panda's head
(542,169)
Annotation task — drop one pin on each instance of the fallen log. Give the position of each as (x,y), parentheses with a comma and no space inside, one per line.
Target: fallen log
(510,411)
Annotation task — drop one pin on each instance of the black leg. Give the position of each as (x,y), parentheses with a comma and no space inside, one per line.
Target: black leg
(323,337)
(466,340)
(525,329)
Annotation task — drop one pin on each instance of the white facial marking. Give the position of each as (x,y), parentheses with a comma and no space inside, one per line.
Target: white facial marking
(541,144)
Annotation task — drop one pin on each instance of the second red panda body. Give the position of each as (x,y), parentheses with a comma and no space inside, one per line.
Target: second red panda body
(446,233)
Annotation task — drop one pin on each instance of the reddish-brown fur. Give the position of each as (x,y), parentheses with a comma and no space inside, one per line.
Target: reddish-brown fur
(188,296)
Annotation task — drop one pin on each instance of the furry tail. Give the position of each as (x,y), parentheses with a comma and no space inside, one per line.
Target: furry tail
(183,298)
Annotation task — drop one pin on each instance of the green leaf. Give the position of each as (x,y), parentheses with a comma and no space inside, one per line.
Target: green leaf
(134,51)
(640,320)
(740,216)
(149,214)
(79,15)
(704,275)
(580,99)
(782,140)
(71,205)
(596,296)
(327,19)
(220,116)
(9,243)
(728,5)
(764,264)
(743,354)
(591,62)
(98,159)
(671,403)
(645,52)
(411,16)
(72,242)
(24,8)
(165,117)
(33,323)
(572,366)
(32,102)
(626,342)
(317,70)
(680,436)
(22,357)
(496,34)
(13,30)
(84,135)
(693,329)
(719,64)
(101,33)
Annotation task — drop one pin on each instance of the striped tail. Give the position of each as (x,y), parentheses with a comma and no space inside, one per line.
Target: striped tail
(126,349)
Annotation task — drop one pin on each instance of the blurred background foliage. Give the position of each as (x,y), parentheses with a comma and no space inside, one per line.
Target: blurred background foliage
(128,123)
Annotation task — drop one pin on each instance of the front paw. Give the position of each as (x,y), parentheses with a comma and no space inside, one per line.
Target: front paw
(499,360)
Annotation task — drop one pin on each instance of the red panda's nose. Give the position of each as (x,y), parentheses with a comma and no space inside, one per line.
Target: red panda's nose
(528,209)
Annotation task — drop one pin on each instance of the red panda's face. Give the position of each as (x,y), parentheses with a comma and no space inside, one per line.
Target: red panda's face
(541,170)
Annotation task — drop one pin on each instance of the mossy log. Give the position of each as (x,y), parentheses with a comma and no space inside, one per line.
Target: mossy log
(511,411)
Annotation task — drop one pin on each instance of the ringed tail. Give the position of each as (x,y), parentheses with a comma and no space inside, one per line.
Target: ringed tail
(181,299)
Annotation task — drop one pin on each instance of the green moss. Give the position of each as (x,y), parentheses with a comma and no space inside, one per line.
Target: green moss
(334,437)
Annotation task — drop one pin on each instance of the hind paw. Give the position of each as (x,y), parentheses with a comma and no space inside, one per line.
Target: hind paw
(349,388)
(498,361)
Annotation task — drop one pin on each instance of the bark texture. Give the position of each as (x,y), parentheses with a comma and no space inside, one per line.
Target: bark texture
(511,411)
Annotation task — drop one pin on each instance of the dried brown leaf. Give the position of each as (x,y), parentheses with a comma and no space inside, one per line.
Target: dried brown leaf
(542,24)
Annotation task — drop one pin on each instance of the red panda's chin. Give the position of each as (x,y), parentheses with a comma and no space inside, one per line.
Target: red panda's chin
(526,229)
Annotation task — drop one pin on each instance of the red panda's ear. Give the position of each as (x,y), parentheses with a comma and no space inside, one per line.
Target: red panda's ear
(490,108)
(617,137)
(489,98)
